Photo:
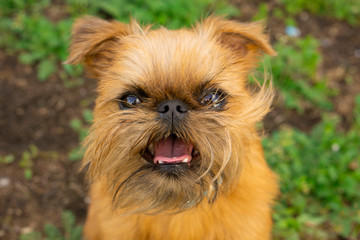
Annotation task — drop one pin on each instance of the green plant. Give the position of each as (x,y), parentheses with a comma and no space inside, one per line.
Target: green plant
(26,161)
(69,230)
(262,13)
(348,10)
(29,156)
(81,128)
(28,30)
(294,74)
(320,179)
(7,159)
(172,14)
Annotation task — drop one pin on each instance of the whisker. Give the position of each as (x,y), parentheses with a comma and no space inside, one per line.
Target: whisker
(142,168)
(224,163)
(215,185)
(211,161)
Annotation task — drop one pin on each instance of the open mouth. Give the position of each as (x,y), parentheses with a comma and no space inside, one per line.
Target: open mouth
(170,151)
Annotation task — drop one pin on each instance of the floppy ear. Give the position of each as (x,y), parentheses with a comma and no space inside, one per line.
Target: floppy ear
(94,41)
(246,41)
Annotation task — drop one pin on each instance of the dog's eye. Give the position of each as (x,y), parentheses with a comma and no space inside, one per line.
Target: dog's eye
(129,101)
(214,99)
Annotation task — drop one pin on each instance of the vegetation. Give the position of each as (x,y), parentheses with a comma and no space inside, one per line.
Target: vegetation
(348,10)
(81,128)
(29,30)
(320,179)
(69,230)
(294,74)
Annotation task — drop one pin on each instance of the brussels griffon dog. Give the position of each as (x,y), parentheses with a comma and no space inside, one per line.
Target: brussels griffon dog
(173,152)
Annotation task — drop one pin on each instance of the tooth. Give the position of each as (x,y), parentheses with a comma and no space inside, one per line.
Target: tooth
(185,160)
(161,162)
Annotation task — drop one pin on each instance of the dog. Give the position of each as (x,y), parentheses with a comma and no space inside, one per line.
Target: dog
(173,151)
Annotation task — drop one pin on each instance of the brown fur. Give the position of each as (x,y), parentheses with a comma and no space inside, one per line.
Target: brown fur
(228,194)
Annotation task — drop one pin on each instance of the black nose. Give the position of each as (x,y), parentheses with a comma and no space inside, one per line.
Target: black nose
(172,110)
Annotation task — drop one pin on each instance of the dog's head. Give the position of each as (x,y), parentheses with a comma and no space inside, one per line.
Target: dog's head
(174,116)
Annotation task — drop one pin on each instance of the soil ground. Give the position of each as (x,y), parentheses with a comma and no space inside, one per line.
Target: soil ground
(36,113)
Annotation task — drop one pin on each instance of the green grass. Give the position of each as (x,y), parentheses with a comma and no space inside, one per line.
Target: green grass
(172,14)
(30,33)
(80,126)
(347,10)
(294,73)
(68,231)
(294,70)
(320,179)
(7,159)
(26,31)
(26,159)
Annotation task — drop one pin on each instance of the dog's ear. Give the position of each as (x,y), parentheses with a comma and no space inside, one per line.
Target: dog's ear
(245,40)
(93,42)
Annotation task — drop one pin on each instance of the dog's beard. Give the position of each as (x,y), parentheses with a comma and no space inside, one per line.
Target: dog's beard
(140,186)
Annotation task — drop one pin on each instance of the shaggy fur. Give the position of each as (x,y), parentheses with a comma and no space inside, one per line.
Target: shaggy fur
(226,192)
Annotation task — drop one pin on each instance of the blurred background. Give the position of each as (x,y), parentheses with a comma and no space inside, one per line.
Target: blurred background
(311,138)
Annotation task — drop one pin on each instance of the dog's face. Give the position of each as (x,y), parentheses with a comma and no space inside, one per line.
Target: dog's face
(173,117)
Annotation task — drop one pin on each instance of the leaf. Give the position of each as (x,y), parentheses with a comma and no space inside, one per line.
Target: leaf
(27,58)
(7,159)
(76,125)
(31,236)
(25,161)
(33,150)
(45,69)
(52,232)
(76,154)
(28,173)
(88,116)
(68,220)
(76,233)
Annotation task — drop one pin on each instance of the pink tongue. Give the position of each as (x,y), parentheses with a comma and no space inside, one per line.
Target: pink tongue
(172,150)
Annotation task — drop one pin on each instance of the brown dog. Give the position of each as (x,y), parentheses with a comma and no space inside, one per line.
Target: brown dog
(173,152)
